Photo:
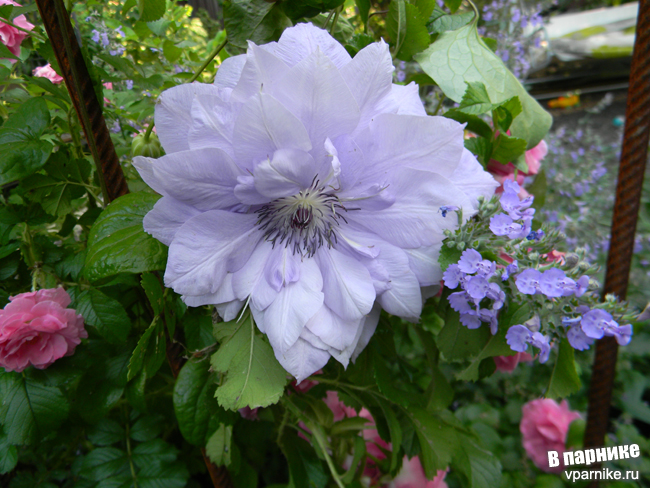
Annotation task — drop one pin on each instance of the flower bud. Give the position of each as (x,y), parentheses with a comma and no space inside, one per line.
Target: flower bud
(450,244)
(583,266)
(447,233)
(460,246)
(149,149)
(533,255)
(490,206)
(571,260)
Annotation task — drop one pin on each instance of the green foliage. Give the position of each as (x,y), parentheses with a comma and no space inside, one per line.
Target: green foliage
(252,375)
(151,10)
(440,21)
(22,147)
(406,26)
(118,244)
(104,313)
(445,62)
(255,20)
(564,379)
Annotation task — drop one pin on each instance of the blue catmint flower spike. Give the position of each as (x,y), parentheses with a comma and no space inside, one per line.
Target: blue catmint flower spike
(469,261)
(517,338)
(528,281)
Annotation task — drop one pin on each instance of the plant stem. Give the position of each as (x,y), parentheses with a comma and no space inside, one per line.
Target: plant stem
(317,434)
(336,18)
(209,60)
(35,34)
(148,133)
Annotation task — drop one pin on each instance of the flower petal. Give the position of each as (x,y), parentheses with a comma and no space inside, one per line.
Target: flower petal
(472,179)
(229,71)
(369,326)
(290,171)
(302,40)
(261,71)
(204,179)
(346,283)
(206,247)
(423,261)
(302,359)
(333,330)
(263,126)
(166,217)
(212,122)
(250,279)
(173,114)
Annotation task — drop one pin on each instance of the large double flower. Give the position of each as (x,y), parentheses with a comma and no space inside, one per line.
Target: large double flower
(307,186)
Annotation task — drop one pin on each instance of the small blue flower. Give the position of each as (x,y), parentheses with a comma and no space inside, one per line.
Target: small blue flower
(95,36)
(129,84)
(105,41)
(490,316)
(120,31)
(517,338)
(477,287)
(577,338)
(447,208)
(452,276)
(469,261)
(458,301)
(470,319)
(510,269)
(528,281)
(554,283)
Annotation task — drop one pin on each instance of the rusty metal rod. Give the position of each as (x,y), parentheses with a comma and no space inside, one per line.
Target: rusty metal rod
(634,156)
(77,79)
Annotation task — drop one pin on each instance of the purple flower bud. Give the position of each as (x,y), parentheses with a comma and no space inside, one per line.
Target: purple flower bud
(469,261)
(528,281)
(452,276)
(511,268)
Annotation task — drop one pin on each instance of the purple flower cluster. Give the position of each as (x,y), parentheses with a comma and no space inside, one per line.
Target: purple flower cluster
(516,223)
(473,273)
(553,283)
(595,324)
(519,336)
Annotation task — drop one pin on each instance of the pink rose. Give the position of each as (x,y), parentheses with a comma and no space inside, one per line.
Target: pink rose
(48,72)
(412,476)
(9,35)
(504,172)
(36,328)
(509,363)
(544,426)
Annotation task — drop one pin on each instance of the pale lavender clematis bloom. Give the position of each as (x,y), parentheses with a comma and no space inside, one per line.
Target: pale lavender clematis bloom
(308,186)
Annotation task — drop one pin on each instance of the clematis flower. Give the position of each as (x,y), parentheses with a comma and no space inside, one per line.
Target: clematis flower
(308,186)
(9,35)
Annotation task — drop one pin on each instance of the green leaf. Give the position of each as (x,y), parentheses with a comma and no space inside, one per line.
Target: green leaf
(118,244)
(106,432)
(101,387)
(497,345)
(30,409)
(364,9)
(55,196)
(305,469)
(254,378)
(154,452)
(406,25)
(104,462)
(22,151)
(104,313)
(193,393)
(474,123)
(6,53)
(538,189)
(198,329)
(505,113)
(219,447)
(147,428)
(455,341)
(255,20)
(171,52)
(475,99)
(438,440)
(8,455)
(564,379)
(154,291)
(173,475)
(506,149)
(395,431)
(151,10)
(460,56)
(357,43)
(481,468)
(448,255)
(480,147)
(150,350)
(453,5)
(440,21)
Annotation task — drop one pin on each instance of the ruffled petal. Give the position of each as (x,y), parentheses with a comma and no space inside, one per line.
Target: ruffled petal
(261,71)
(472,179)
(208,246)
(302,359)
(317,94)
(263,126)
(173,114)
(290,171)
(212,122)
(250,279)
(204,179)
(304,39)
(332,330)
(369,326)
(229,71)
(166,217)
(423,261)
(346,283)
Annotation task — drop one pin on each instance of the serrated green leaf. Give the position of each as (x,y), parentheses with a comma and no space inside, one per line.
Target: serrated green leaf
(357,43)
(117,242)
(198,329)
(171,52)
(173,475)
(455,341)
(481,468)
(407,27)
(255,20)
(154,291)
(506,149)
(193,393)
(101,387)
(106,432)
(8,455)
(480,147)
(395,431)
(55,196)
(460,56)
(29,409)
(104,313)
(153,452)
(364,9)
(147,428)
(564,379)
(438,440)
(497,345)
(104,462)
(151,10)
(453,5)
(22,151)
(475,99)
(305,469)
(147,351)
(448,255)
(219,446)
(474,123)
(254,378)
(506,112)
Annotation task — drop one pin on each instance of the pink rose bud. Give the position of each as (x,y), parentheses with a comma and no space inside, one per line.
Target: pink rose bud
(509,363)
(48,72)
(412,476)
(9,35)
(36,328)
(544,426)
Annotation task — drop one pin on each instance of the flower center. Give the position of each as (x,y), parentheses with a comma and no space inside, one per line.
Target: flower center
(304,221)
